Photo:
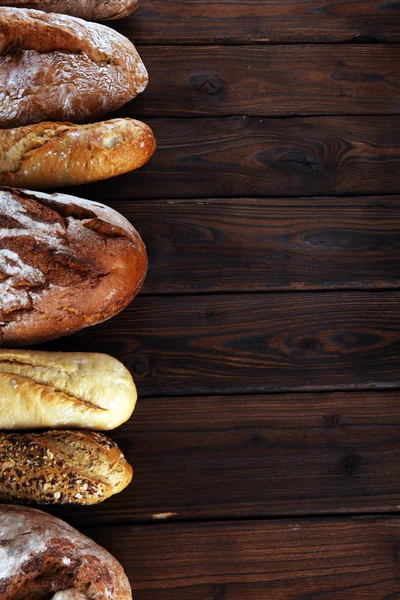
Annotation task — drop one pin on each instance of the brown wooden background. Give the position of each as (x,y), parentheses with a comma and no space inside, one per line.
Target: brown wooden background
(266,341)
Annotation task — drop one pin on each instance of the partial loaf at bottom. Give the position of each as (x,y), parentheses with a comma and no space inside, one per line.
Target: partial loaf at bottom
(51,155)
(61,467)
(43,557)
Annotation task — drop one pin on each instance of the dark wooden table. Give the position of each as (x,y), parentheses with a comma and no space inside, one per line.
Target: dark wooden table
(266,341)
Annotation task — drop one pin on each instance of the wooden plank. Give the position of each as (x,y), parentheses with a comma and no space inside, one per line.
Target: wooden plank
(256,456)
(293,559)
(269,81)
(253,343)
(249,21)
(239,157)
(245,245)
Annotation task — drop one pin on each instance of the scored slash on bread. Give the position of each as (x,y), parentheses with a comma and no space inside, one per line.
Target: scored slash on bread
(59,68)
(51,155)
(92,10)
(61,467)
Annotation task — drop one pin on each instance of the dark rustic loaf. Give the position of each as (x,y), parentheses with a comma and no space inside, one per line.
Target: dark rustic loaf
(41,556)
(51,155)
(61,467)
(92,10)
(60,68)
(65,263)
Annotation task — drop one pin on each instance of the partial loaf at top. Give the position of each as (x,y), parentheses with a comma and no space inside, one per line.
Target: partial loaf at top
(59,68)
(41,556)
(92,10)
(65,264)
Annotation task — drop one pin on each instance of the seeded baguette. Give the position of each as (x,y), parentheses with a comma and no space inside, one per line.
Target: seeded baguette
(50,155)
(61,467)
(63,389)
(92,10)
(59,68)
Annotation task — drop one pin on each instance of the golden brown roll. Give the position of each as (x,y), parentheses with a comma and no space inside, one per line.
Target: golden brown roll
(92,10)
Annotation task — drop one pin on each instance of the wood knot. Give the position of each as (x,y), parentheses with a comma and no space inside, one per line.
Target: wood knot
(218,592)
(332,421)
(207,84)
(141,365)
(299,162)
(352,464)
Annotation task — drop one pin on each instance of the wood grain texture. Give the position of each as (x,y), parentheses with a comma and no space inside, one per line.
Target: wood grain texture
(256,456)
(293,559)
(249,21)
(248,156)
(245,245)
(253,343)
(269,81)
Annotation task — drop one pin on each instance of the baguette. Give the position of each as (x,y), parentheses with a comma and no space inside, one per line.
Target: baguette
(63,389)
(60,68)
(92,10)
(61,467)
(51,155)
(65,264)
(41,556)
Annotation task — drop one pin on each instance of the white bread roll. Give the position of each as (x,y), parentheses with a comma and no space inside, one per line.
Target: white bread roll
(63,389)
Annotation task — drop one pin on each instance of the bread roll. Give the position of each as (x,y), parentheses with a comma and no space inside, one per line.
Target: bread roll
(92,10)
(63,389)
(61,467)
(41,556)
(50,155)
(59,68)
(65,263)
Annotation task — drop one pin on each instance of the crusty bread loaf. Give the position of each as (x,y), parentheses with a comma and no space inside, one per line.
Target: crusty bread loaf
(41,556)
(92,10)
(65,263)
(63,389)
(51,155)
(61,467)
(59,68)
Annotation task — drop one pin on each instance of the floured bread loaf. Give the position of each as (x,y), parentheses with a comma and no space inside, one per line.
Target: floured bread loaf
(51,155)
(43,557)
(58,68)
(92,10)
(65,263)
(63,389)
(61,467)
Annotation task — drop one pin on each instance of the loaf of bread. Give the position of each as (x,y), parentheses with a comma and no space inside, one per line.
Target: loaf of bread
(63,389)
(65,263)
(60,68)
(61,467)
(51,155)
(41,556)
(92,10)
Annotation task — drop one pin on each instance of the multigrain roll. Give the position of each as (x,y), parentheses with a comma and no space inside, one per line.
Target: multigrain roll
(51,155)
(63,389)
(92,10)
(41,556)
(65,264)
(61,467)
(58,68)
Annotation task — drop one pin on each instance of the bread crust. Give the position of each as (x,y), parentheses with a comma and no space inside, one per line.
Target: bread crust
(63,389)
(61,467)
(59,68)
(51,155)
(92,10)
(65,264)
(42,555)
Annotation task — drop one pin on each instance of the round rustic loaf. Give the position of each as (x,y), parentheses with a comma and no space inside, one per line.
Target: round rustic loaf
(43,557)
(92,10)
(59,68)
(65,264)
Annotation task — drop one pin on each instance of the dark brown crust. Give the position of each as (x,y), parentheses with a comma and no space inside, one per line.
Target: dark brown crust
(65,264)
(50,556)
(92,10)
(58,68)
